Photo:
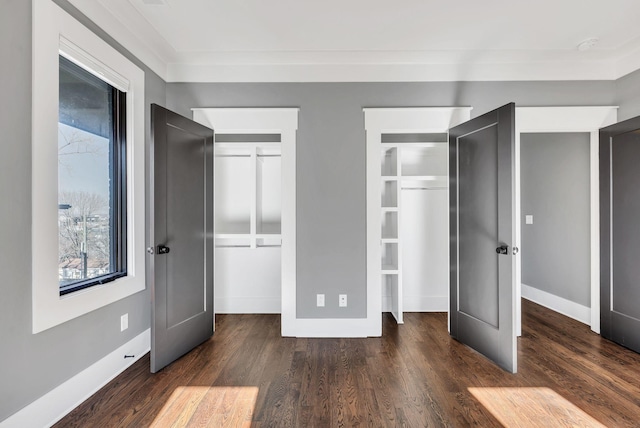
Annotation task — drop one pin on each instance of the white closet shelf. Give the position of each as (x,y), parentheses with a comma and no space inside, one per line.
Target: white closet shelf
(389,240)
(390,270)
(389,209)
(247,235)
(247,149)
(389,178)
(247,240)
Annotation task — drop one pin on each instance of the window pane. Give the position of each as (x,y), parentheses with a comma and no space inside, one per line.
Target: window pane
(85,176)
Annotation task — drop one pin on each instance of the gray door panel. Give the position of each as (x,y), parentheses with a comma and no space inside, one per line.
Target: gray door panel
(181,220)
(478,225)
(620,234)
(482,289)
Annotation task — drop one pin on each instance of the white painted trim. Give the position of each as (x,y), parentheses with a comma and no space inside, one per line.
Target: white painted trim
(388,71)
(567,119)
(153,51)
(54,405)
(50,24)
(283,121)
(559,304)
(234,120)
(426,303)
(627,64)
(333,327)
(517,234)
(374,231)
(594,201)
(414,119)
(247,305)
(289,252)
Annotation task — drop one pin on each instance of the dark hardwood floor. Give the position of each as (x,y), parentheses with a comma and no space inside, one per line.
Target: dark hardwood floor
(414,376)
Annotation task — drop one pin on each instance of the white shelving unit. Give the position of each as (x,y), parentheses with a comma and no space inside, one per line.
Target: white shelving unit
(248,194)
(407,234)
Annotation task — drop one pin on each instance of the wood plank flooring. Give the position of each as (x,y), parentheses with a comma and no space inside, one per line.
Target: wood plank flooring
(413,376)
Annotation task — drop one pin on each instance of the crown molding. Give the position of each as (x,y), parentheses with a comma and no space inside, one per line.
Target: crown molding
(138,36)
(628,64)
(155,56)
(387,72)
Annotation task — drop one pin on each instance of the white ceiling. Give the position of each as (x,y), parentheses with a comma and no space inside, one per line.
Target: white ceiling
(374,40)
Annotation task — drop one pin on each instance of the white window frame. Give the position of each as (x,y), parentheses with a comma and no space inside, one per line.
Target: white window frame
(57,33)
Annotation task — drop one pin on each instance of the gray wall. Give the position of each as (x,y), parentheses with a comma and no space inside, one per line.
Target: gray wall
(31,365)
(555,190)
(628,96)
(331,160)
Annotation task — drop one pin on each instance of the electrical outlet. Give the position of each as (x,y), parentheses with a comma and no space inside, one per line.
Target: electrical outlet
(342,300)
(528,219)
(124,322)
(320,300)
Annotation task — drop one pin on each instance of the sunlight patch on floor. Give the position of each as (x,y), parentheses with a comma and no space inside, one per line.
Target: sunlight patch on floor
(202,406)
(532,407)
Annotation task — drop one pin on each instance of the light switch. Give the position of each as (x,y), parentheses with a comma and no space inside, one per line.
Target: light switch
(528,219)
(124,322)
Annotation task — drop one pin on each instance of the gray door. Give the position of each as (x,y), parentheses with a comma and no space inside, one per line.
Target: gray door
(620,233)
(482,287)
(181,233)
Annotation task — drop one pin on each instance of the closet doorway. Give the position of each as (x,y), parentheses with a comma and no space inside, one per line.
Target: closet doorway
(254,208)
(408,207)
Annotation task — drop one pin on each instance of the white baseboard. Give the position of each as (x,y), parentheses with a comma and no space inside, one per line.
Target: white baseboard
(247,305)
(426,304)
(419,304)
(559,304)
(332,327)
(53,406)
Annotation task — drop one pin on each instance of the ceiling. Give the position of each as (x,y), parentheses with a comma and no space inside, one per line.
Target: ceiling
(374,40)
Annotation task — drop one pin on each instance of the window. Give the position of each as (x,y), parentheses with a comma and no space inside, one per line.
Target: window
(92,210)
(88,178)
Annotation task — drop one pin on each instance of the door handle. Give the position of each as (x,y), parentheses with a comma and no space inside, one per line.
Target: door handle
(503,249)
(163,249)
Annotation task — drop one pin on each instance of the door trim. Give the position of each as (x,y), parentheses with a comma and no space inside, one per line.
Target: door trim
(557,120)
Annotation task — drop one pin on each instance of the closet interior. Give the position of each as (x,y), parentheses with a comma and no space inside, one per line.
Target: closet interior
(247,206)
(407,181)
